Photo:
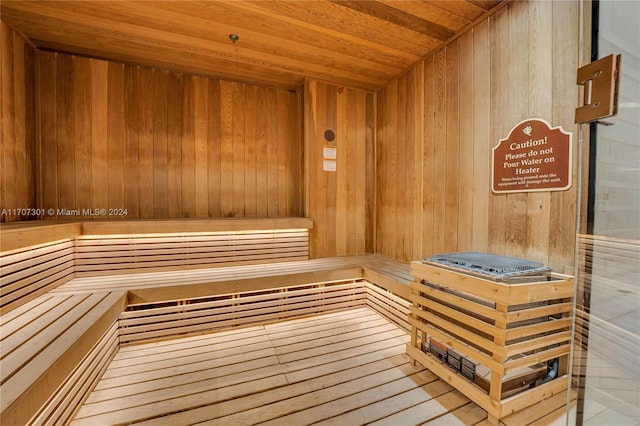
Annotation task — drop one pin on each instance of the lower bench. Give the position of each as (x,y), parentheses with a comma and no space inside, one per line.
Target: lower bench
(51,350)
(57,345)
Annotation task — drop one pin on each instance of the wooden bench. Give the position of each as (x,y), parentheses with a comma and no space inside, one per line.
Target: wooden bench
(53,349)
(165,304)
(57,341)
(39,256)
(109,247)
(29,273)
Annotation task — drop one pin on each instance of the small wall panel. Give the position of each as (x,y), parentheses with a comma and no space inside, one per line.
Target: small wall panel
(163,145)
(438,122)
(17,146)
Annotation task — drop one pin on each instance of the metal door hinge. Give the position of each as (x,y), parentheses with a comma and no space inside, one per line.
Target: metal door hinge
(600,80)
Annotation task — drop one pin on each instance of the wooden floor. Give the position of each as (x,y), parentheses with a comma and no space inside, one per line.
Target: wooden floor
(343,368)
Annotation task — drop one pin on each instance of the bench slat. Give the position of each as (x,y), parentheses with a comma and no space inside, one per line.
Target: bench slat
(73,336)
(69,397)
(42,332)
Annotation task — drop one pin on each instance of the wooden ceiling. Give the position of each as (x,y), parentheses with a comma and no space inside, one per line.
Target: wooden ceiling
(360,43)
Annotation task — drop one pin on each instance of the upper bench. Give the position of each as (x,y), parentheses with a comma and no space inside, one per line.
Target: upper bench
(36,257)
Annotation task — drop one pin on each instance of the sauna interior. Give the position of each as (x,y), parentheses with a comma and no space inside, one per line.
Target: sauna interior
(216,212)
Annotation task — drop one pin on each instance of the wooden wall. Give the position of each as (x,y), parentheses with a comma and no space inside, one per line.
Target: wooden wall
(17,146)
(164,145)
(436,126)
(341,202)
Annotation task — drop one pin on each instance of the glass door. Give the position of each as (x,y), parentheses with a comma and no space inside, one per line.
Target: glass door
(607,357)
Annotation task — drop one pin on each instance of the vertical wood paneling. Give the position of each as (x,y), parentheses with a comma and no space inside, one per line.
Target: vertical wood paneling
(482,142)
(145,147)
(452,174)
(17,112)
(188,183)
(429,160)
(539,86)
(164,145)
(237,147)
(262,165)
(99,144)
(370,112)
(47,139)
(115,136)
(512,66)
(82,133)
(440,152)
(466,159)
(65,130)
(516,218)
(131,143)
(160,147)
(9,140)
(174,145)
(564,97)
(339,202)
(250,196)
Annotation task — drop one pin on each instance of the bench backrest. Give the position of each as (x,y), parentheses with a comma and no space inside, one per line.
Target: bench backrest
(105,255)
(28,273)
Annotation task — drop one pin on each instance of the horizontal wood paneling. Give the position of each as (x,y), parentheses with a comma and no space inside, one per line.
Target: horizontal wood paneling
(145,143)
(438,122)
(17,144)
(341,202)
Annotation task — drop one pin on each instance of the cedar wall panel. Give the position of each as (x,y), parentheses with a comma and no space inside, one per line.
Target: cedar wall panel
(17,146)
(438,122)
(341,202)
(164,145)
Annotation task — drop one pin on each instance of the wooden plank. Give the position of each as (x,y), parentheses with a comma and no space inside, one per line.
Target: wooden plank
(188,134)
(456,380)
(23,260)
(250,152)
(214,135)
(116,136)
(562,229)
(31,387)
(485,289)
(72,393)
(160,144)
(441,403)
(131,199)
(182,226)
(9,143)
(452,157)
(47,138)
(482,142)
(178,403)
(82,132)
(316,397)
(99,135)
(15,239)
(226,149)
(342,142)
(370,166)
(367,396)
(283,151)
(428,160)
(145,149)
(540,80)
(261,164)
(174,145)
(358,368)
(440,150)
(237,146)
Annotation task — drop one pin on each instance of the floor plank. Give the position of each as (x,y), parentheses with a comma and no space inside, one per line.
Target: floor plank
(342,368)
